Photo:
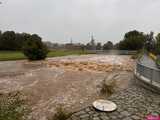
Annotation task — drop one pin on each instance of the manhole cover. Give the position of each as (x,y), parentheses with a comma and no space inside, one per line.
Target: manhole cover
(104,105)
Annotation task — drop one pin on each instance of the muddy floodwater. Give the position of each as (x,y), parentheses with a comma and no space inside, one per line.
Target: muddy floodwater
(72,81)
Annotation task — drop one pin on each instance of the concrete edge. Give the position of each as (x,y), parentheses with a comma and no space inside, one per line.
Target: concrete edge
(146,83)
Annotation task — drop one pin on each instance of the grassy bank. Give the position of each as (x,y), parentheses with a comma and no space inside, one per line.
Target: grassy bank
(17,55)
(11,55)
(56,53)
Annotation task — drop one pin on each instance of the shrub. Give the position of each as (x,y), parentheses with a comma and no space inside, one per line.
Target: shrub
(12,107)
(108,88)
(61,114)
(34,49)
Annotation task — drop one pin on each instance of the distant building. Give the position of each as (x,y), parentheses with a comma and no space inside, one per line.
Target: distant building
(71,46)
(91,45)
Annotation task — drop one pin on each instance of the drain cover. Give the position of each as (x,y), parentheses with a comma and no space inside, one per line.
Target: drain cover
(104,105)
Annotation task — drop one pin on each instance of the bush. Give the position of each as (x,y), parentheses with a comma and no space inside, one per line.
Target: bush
(12,107)
(61,114)
(34,49)
(108,88)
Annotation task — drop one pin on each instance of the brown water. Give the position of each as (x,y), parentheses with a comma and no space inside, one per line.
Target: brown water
(72,80)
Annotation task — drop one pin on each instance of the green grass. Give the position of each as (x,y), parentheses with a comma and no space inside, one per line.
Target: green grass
(17,55)
(11,55)
(13,107)
(56,53)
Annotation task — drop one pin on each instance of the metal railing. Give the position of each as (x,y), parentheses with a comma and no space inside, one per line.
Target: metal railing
(152,74)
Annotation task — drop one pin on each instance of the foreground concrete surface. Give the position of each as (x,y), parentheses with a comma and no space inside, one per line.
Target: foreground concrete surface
(72,81)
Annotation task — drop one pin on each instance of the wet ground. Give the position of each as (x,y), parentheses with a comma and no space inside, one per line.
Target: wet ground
(133,103)
(72,81)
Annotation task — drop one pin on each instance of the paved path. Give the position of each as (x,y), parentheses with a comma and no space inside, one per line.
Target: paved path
(133,104)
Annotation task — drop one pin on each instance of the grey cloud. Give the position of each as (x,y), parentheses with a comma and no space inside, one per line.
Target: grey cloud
(58,20)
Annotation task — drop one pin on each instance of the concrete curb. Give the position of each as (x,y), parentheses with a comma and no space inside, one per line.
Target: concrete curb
(144,82)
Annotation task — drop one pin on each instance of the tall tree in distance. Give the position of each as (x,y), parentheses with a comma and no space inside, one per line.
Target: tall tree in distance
(158,43)
(108,46)
(133,40)
(98,46)
(8,41)
(150,42)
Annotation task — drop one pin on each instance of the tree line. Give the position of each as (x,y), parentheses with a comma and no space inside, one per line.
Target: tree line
(30,44)
(132,40)
(9,40)
(135,40)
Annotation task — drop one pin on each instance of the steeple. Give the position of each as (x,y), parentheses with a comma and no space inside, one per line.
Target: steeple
(92,37)
(92,43)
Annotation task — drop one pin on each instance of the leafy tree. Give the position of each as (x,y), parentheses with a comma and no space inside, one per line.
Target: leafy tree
(158,43)
(149,43)
(34,48)
(8,41)
(108,45)
(88,46)
(98,46)
(133,40)
(19,41)
(116,46)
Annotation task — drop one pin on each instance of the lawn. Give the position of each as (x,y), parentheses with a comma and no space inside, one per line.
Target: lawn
(11,55)
(17,55)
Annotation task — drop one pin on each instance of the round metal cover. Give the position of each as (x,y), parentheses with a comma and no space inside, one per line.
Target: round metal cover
(104,105)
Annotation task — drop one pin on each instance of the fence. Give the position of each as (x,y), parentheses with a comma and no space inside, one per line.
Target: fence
(149,73)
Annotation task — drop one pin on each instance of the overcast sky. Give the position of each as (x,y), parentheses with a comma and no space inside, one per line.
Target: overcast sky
(59,20)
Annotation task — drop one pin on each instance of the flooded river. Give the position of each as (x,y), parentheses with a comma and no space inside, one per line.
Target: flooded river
(72,81)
